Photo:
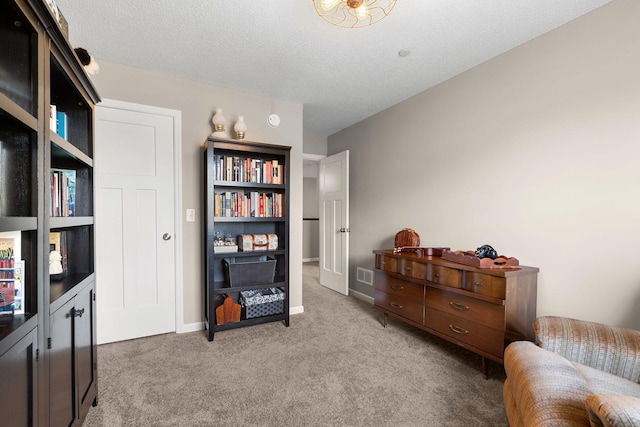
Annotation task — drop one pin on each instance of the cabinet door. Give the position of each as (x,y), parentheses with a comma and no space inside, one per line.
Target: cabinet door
(84,347)
(61,379)
(19,374)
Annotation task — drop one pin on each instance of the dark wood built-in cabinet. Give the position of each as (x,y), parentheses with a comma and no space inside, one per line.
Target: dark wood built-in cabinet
(246,193)
(48,363)
(480,309)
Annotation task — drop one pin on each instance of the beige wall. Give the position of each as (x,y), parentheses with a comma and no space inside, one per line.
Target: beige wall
(536,152)
(313,144)
(197,102)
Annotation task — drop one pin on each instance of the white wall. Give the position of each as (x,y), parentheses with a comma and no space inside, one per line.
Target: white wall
(197,102)
(536,152)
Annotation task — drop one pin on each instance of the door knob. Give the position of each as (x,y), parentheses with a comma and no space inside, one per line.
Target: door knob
(166,236)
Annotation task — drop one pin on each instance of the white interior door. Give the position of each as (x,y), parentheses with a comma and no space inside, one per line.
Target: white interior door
(333,182)
(135,237)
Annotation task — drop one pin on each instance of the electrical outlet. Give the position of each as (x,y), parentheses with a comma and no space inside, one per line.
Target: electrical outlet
(191,215)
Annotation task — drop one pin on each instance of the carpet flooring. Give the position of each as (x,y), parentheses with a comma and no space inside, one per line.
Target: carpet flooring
(334,366)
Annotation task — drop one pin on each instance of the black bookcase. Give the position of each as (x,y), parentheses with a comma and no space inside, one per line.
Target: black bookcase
(48,357)
(246,192)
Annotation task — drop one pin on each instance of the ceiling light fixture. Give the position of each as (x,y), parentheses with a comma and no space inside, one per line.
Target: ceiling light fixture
(353,13)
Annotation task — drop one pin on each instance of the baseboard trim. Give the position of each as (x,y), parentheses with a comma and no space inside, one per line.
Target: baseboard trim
(361,296)
(199,326)
(190,327)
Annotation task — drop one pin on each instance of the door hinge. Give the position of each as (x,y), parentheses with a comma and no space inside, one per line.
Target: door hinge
(94,296)
(95,366)
(49,343)
(37,354)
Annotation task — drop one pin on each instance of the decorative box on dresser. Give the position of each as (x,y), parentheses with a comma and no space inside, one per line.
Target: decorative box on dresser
(480,309)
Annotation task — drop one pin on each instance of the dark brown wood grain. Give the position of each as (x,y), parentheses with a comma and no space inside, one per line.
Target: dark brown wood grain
(480,309)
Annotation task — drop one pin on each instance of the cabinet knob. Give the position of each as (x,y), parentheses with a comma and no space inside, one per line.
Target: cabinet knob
(78,313)
(478,284)
(438,275)
(166,236)
(345,230)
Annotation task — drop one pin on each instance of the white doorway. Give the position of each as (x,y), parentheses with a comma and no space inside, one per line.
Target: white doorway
(310,215)
(333,180)
(138,233)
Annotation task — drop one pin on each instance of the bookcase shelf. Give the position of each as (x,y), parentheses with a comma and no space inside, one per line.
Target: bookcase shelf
(47,354)
(247,157)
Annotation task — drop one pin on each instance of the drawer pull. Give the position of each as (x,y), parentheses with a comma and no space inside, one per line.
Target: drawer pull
(395,305)
(458,330)
(438,275)
(457,306)
(407,268)
(396,287)
(478,284)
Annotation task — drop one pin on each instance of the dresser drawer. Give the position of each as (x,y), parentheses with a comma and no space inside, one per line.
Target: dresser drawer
(485,284)
(387,263)
(445,276)
(399,288)
(403,307)
(468,332)
(481,312)
(414,269)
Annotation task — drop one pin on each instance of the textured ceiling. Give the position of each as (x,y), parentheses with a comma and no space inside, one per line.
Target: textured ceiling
(282,49)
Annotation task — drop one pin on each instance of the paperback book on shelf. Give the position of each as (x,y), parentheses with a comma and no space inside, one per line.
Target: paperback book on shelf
(53,118)
(61,126)
(19,284)
(7,276)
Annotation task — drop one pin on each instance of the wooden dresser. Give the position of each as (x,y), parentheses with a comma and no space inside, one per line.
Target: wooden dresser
(482,310)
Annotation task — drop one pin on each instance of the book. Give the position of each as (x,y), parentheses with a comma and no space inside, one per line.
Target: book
(53,118)
(19,286)
(61,127)
(7,276)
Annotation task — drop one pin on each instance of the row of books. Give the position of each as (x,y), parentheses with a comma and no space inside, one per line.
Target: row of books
(11,279)
(238,169)
(63,192)
(247,205)
(58,121)
(6,269)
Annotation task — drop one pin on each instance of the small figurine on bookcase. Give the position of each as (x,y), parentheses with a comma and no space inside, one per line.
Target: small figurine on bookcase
(240,128)
(55,265)
(90,65)
(219,121)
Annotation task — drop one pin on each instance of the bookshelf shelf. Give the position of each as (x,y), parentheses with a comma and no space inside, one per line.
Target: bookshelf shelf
(46,355)
(253,161)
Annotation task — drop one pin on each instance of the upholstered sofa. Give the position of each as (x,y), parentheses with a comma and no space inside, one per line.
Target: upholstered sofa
(579,374)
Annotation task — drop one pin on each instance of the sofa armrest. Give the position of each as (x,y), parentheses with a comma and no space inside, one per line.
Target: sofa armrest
(613,410)
(608,348)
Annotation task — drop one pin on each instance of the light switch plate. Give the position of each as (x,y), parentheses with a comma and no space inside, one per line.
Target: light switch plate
(191,215)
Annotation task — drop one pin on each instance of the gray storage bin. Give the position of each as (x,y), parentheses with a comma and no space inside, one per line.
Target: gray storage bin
(249,271)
